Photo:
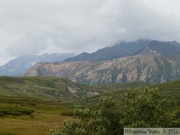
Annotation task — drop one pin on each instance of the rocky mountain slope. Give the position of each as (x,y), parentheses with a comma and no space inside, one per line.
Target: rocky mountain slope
(152,69)
(170,49)
(20,64)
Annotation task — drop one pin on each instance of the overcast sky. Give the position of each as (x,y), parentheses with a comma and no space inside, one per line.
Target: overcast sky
(39,26)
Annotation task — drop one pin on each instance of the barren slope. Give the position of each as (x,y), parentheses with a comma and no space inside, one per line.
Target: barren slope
(151,69)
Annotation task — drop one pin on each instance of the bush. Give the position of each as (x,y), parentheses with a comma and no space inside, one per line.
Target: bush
(139,108)
(68,113)
(144,108)
(15,111)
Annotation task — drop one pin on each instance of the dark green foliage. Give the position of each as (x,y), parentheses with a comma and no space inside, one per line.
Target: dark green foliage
(144,108)
(15,111)
(14,106)
(67,113)
(17,106)
(106,117)
(102,120)
(176,119)
(140,107)
(6,133)
(169,90)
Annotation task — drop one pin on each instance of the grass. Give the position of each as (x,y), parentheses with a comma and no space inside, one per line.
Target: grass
(56,89)
(39,125)
(28,105)
(46,115)
(48,88)
(120,86)
(167,90)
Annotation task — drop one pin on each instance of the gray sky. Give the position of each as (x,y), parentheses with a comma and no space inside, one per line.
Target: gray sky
(39,26)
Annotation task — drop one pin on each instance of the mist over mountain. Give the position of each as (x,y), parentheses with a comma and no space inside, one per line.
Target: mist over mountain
(142,60)
(161,48)
(139,47)
(20,64)
(119,50)
(150,61)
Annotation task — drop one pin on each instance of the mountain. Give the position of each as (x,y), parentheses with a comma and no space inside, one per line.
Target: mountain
(175,58)
(152,69)
(119,50)
(20,64)
(49,88)
(161,48)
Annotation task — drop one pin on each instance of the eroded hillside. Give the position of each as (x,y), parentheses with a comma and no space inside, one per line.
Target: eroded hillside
(152,69)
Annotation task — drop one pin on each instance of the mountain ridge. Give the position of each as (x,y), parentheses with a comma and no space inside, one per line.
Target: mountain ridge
(163,54)
(20,64)
(161,48)
(116,51)
(151,69)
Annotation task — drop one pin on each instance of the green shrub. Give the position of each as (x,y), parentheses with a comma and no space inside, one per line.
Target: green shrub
(67,113)
(140,107)
(15,111)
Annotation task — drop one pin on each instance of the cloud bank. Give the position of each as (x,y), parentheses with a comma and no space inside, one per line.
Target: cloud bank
(39,26)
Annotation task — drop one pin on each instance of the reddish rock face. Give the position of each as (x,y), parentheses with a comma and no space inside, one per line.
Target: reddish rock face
(148,68)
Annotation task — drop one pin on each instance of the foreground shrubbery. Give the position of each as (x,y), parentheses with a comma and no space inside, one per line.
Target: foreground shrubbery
(138,108)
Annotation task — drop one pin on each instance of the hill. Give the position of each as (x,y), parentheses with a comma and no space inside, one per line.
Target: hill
(55,89)
(21,110)
(49,88)
(169,90)
(147,68)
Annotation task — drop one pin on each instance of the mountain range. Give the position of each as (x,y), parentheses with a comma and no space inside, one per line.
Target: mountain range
(143,60)
(152,69)
(51,89)
(121,49)
(20,64)
(152,62)
(164,49)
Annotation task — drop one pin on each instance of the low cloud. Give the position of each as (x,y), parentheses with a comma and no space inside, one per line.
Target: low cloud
(37,26)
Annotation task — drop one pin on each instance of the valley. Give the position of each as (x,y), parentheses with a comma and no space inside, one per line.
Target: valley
(53,89)
(83,67)
(28,107)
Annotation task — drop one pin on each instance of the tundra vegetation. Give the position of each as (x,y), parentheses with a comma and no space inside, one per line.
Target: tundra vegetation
(34,105)
(141,107)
